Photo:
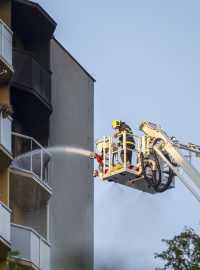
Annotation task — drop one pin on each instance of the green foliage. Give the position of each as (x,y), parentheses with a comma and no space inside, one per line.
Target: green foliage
(6,110)
(13,261)
(183,251)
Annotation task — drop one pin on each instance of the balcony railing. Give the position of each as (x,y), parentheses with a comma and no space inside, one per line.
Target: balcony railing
(5,42)
(4,222)
(5,132)
(32,247)
(31,157)
(32,74)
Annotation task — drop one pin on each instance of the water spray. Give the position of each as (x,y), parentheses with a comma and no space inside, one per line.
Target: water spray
(73,150)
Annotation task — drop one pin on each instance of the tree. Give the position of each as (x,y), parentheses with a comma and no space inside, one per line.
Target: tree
(13,261)
(6,110)
(183,251)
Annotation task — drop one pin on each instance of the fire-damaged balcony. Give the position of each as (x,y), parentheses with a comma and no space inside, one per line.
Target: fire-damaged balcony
(30,173)
(34,249)
(6,69)
(31,21)
(32,76)
(5,245)
(5,142)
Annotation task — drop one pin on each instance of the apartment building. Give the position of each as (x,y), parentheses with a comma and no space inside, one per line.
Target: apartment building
(46,195)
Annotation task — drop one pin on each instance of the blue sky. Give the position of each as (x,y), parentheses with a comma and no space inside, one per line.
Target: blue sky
(145,56)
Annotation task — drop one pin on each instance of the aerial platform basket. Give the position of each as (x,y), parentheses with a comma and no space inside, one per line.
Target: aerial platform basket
(158,158)
(129,178)
(113,169)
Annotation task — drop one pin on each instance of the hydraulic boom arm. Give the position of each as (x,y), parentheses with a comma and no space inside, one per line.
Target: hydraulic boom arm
(172,148)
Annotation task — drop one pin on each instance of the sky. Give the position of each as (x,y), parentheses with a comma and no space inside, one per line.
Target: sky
(145,57)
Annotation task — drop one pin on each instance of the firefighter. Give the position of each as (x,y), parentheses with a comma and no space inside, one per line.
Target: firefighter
(130,143)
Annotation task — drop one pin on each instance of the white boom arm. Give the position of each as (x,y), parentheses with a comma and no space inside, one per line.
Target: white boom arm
(172,148)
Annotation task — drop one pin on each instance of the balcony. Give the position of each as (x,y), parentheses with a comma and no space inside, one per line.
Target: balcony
(5,245)
(32,76)
(30,173)
(5,142)
(5,53)
(43,26)
(34,250)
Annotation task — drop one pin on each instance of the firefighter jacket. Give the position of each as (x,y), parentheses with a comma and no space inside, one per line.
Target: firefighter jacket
(129,135)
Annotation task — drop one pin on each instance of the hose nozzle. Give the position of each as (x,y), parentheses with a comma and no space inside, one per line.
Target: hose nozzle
(92,155)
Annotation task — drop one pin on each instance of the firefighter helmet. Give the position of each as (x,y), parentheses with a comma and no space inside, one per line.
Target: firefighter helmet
(116,124)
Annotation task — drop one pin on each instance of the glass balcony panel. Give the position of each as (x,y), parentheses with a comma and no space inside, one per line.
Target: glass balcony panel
(35,252)
(4,222)
(21,64)
(5,133)
(31,246)
(45,255)
(7,45)
(37,76)
(1,27)
(20,239)
(31,73)
(5,42)
(32,158)
(46,84)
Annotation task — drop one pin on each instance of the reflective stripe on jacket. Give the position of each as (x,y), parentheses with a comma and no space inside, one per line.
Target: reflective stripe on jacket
(129,136)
